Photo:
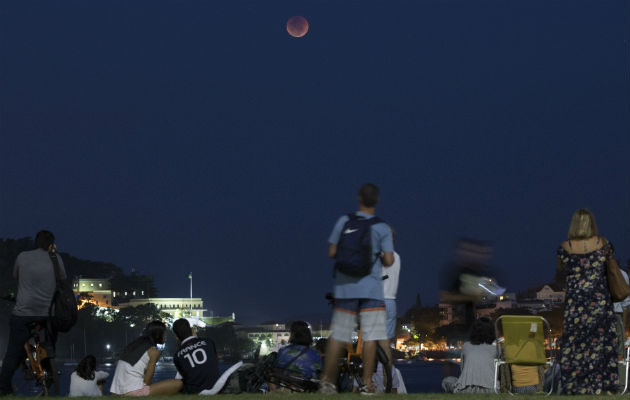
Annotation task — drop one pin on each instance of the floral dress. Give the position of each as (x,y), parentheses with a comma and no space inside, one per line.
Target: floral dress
(589,340)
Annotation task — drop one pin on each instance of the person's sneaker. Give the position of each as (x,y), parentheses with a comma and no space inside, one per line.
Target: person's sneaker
(326,387)
(368,390)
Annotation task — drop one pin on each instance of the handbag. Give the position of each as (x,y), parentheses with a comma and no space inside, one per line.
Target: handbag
(617,285)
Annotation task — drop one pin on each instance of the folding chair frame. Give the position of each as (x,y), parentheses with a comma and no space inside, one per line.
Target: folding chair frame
(626,363)
(501,353)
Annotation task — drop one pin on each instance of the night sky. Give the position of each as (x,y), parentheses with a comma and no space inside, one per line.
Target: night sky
(178,136)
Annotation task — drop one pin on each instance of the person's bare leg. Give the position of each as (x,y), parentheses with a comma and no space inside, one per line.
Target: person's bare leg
(369,360)
(333,352)
(166,387)
(384,343)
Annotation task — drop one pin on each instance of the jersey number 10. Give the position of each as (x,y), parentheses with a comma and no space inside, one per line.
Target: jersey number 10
(197,357)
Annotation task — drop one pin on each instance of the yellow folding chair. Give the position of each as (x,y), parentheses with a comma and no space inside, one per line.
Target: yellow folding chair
(523,343)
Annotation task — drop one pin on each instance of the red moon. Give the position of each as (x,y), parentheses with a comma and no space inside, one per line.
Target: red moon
(297,26)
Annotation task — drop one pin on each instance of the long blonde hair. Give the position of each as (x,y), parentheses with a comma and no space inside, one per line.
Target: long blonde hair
(583,225)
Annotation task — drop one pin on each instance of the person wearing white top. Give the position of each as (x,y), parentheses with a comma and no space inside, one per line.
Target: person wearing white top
(379,380)
(390,289)
(84,382)
(621,314)
(134,371)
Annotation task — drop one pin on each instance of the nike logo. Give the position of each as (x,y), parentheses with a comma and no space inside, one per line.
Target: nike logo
(348,230)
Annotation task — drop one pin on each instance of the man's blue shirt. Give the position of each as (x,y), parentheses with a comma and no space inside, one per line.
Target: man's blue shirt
(369,286)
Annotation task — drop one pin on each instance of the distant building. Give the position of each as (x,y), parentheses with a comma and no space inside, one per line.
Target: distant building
(492,305)
(177,307)
(99,289)
(451,313)
(550,293)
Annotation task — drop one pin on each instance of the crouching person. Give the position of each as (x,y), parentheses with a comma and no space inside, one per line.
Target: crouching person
(196,359)
(134,371)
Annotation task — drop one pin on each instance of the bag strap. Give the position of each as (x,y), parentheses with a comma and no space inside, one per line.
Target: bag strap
(287,365)
(55,261)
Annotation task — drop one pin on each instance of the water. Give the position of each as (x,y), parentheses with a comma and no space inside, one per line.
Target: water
(419,376)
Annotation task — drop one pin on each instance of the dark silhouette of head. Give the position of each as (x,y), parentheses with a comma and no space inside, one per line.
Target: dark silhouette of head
(44,239)
(155,331)
(182,329)
(368,195)
(482,331)
(86,367)
(300,334)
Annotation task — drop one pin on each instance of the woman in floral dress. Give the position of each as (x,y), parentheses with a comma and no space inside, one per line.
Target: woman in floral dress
(588,362)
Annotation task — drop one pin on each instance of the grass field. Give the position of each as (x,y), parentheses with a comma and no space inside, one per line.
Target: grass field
(355,396)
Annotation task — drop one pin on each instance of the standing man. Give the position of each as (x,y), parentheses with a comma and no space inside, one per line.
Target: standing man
(361,244)
(196,359)
(35,274)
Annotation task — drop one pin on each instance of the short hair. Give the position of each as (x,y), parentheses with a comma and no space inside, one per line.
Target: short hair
(583,225)
(44,239)
(300,334)
(155,331)
(482,331)
(182,329)
(86,367)
(368,195)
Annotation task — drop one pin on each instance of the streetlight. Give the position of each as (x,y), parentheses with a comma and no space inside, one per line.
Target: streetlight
(107,347)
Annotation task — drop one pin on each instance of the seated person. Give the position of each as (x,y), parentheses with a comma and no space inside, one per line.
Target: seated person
(86,381)
(478,354)
(525,378)
(298,358)
(196,359)
(379,380)
(134,371)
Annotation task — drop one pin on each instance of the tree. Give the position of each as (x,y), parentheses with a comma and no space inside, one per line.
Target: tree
(142,315)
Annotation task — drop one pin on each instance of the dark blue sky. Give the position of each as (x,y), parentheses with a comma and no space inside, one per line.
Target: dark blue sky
(177,136)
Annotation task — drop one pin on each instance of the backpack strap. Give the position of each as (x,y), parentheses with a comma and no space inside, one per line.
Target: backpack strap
(287,365)
(55,261)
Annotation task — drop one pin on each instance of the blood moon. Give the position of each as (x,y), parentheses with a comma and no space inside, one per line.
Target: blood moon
(297,26)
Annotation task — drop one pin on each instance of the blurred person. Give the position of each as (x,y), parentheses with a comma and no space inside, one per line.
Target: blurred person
(478,354)
(35,275)
(467,279)
(86,381)
(134,372)
(589,338)
(196,359)
(358,297)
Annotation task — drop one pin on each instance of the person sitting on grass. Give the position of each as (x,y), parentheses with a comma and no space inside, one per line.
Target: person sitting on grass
(478,354)
(298,358)
(134,371)
(196,360)
(86,381)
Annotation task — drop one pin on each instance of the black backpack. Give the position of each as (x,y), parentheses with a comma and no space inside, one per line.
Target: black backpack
(354,250)
(63,307)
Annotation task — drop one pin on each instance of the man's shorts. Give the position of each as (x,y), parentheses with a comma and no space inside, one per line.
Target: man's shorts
(390,311)
(371,315)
